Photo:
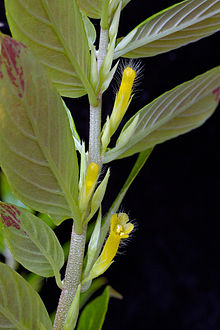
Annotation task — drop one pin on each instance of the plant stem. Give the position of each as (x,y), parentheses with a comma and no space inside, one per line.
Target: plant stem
(72,277)
(95,112)
(77,243)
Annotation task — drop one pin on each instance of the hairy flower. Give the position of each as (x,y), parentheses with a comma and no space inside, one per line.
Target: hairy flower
(120,228)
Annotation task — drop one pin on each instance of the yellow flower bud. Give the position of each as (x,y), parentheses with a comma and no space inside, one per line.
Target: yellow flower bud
(125,89)
(120,228)
(122,98)
(91,176)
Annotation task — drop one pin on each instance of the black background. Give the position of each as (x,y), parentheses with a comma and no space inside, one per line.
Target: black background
(169,273)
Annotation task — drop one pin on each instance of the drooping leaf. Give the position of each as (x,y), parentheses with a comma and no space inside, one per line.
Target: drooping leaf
(20,306)
(31,241)
(176,112)
(37,151)
(54,31)
(171,28)
(93,315)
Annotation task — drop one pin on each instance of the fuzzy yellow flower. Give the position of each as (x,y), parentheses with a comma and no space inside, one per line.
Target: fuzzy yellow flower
(120,228)
(125,89)
(122,98)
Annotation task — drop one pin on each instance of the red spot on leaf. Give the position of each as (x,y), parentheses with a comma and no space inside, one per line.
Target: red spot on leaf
(216,92)
(10,52)
(9,214)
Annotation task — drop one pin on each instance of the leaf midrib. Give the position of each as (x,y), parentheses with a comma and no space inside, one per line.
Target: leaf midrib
(53,168)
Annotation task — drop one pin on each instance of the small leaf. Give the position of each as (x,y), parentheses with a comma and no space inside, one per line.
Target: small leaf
(90,30)
(94,246)
(92,8)
(75,134)
(54,31)
(176,112)
(31,241)
(36,146)
(98,196)
(20,306)
(93,315)
(171,28)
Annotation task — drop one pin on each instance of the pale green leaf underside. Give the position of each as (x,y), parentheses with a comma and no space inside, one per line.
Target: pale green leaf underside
(37,151)
(31,241)
(173,113)
(93,8)
(20,306)
(54,31)
(174,27)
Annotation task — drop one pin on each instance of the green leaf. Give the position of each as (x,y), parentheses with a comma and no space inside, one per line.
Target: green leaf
(20,306)
(36,146)
(31,241)
(141,160)
(75,134)
(93,315)
(7,194)
(176,112)
(90,30)
(92,8)
(98,196)
(55,32)
(93,246)
(171,28)
(96,285)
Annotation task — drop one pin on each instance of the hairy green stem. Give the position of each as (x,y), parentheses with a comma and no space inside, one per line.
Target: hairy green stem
(72,277)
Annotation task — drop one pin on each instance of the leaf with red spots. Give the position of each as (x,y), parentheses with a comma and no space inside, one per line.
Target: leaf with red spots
(20,306)
(37,150)
(31,241)
(54,30)
(10,67)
